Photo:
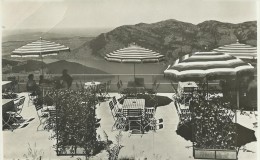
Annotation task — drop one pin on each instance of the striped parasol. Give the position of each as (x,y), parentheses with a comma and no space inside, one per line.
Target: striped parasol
(134,54)
(39,48)
(209,65)
(239,50)
(206,65)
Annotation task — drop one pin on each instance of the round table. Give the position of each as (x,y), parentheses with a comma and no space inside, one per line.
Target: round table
(91,84)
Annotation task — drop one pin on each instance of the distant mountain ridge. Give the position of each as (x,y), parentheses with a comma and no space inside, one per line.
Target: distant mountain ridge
(12,66)
(174,38)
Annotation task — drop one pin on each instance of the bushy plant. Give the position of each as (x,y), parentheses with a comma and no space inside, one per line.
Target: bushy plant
(75,124)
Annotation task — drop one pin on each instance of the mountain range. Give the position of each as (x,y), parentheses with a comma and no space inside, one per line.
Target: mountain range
(174,38)
(12,66)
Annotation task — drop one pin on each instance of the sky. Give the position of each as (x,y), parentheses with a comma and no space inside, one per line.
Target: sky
(50,14)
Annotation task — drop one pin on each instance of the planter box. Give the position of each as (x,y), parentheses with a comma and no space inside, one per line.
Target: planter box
(214,154)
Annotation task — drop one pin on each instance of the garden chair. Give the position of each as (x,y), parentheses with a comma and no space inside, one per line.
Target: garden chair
(149,117)
(120,120)
(7,121)
(51,119)
(134,117)
(19,106)
(114,110)
(116,103)
(185,115)
(42,115)
(149,112)
(15,115)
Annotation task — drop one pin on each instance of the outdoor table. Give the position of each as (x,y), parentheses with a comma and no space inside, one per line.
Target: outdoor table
(6,85)
(91,85)
(133,104)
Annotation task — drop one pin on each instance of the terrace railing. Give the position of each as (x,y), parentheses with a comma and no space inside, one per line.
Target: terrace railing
(82,78)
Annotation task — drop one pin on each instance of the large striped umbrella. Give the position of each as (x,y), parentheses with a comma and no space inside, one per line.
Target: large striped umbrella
(239,50)
(134,54)
(39,48)
(209,65)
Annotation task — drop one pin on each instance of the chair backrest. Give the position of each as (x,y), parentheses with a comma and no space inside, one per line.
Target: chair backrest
(114,100)
(160,126)
(38,107)
(21,101)
(111,105)
(177,107)
(159,121)
(53,113)
(149,109)
(149,112)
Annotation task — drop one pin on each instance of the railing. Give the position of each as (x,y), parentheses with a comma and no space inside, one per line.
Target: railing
(165,85)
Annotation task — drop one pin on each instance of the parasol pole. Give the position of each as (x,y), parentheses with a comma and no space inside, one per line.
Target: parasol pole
(237,88)
(207,89)
(134,72)
(42,61)
(41,56)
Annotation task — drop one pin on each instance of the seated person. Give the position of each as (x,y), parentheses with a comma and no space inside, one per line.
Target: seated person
(31,86)
(66,79)
(43,81)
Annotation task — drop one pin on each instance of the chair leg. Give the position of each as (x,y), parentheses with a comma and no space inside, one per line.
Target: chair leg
(7,124)
(41,124)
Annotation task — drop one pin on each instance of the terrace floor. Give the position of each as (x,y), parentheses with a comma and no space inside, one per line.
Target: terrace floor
(162,144)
